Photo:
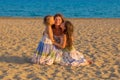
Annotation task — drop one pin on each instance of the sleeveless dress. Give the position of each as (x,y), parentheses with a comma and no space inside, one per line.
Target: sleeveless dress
(69,56)
(45,52)
(73,57)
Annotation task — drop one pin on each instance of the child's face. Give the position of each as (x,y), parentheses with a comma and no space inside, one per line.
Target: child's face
(62,26)
(52,20)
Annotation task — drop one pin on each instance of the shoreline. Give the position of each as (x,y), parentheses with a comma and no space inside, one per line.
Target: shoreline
(42,18)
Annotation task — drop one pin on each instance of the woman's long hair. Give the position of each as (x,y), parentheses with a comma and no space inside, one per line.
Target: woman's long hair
(58,15)
(69,33)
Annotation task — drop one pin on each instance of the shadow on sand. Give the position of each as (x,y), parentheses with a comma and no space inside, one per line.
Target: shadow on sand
(14,59)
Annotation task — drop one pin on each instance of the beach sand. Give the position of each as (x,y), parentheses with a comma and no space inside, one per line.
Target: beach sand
(97,39)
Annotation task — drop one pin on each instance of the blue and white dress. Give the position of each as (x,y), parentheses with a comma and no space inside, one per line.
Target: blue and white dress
(46,52)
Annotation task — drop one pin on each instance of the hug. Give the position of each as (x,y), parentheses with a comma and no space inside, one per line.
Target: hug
(56,44)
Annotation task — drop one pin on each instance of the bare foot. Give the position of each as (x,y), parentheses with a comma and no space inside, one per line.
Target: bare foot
(90,62)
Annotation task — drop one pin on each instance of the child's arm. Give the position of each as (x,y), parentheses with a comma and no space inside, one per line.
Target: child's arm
(43,32)
(50,33)
(61,45)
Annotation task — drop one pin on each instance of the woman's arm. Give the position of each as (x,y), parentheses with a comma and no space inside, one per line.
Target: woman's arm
(61,45)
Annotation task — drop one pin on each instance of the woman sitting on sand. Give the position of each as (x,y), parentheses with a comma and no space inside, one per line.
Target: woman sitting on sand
(69,55)
(57,33)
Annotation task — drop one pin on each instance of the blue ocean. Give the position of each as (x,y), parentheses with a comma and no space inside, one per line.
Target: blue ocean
(69,8)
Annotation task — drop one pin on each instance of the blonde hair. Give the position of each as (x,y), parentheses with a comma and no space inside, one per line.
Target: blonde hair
(47,20)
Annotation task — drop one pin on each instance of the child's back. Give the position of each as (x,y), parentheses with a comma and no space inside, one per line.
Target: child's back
(45,49)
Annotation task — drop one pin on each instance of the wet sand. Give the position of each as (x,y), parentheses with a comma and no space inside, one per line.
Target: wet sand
(97,39)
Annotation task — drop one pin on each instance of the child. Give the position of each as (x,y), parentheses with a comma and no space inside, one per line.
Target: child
(70,55)
(45,50)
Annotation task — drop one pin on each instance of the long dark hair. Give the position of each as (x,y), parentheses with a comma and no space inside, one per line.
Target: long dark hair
(69,33)
(58,15)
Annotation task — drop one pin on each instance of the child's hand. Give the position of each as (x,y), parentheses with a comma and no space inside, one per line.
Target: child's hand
(53,41)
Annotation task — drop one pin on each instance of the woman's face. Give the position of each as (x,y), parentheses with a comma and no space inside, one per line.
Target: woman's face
(58,21)
(62,26)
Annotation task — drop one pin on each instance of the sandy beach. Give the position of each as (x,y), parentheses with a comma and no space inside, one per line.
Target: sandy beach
(97,39)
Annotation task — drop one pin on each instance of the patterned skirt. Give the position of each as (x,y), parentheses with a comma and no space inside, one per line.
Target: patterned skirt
(72,57)
(46,52)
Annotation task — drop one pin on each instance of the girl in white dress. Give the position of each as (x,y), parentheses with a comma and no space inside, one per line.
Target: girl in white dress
(70,55)
(45,52)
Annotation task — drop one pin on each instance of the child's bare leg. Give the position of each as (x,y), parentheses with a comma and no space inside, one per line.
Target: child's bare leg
(50,62)
(75,63)
(84,64)
(42,59)
(87,62)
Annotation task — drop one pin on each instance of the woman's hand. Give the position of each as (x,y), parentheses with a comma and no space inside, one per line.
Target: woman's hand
(62,44)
